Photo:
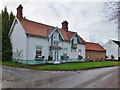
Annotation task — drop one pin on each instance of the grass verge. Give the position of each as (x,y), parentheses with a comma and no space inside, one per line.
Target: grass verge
(14,64)
(77,66)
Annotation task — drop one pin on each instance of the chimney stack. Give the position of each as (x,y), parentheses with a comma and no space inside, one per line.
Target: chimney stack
(65,25)
(19,12)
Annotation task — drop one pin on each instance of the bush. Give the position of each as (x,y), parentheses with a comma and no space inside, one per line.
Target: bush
(50,57)
(101,59)
(43,57)
(80,57)
(112,57)
(106,56)
(119,58)
(62,57)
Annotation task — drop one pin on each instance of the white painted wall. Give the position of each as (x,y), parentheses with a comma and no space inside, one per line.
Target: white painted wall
(71,53)
(119,34)
(82,47)
(111,49)
(32,42)
(50,42)
(18,40)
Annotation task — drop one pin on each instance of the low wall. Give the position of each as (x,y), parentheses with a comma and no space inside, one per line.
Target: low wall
(32,62)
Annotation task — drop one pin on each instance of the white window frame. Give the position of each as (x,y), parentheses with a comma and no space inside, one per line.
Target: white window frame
(39,55)
(75,40)
(56,37)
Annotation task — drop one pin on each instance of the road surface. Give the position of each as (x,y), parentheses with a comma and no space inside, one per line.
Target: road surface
(27,78)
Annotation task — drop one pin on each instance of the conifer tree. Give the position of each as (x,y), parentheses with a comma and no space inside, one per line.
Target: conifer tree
(6,44)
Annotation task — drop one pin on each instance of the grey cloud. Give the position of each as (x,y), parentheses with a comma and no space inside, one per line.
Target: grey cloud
(85,18)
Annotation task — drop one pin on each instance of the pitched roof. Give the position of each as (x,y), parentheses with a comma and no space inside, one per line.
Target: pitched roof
(94,47)
(117,42)
(36,28)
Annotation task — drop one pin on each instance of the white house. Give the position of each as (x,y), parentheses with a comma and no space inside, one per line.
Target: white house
(112,47)
(31,40)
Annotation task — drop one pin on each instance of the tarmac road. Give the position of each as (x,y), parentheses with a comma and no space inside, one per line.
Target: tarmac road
(27,78)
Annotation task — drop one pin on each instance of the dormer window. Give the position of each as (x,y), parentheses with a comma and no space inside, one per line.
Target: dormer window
(74,43)
(75,40)
(56,39)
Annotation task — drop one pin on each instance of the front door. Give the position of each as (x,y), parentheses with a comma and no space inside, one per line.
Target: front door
(56,55)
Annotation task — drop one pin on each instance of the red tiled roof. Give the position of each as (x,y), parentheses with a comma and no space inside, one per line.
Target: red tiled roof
(32,27)
(36,28)
(83,41)
(70,34)
(94,46)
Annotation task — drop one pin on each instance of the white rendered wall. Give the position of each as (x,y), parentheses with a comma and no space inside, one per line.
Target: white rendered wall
(71,53)
(18,41)
(82,47)
(32,42)
(119,34)
(111,49)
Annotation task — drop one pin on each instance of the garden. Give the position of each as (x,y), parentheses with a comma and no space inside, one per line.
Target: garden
(66,66)
(77,66)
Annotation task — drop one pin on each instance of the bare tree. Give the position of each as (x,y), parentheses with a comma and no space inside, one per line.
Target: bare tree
(18,54)
(112,13)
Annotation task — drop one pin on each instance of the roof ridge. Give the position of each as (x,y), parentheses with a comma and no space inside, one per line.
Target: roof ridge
(38,22)
(46,25)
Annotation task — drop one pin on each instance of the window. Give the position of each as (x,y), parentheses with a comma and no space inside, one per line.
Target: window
(56,43)
(56,36)
(38,51)
(65,53)
(75,40)
(56,39)
(74,43)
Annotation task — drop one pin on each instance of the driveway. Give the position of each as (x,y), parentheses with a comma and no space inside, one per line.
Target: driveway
(27,78)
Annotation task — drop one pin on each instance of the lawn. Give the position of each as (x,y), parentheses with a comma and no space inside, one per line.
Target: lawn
(77,66)
(14,64)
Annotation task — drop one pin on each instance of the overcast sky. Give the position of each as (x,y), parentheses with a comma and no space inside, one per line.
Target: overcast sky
(85,18)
